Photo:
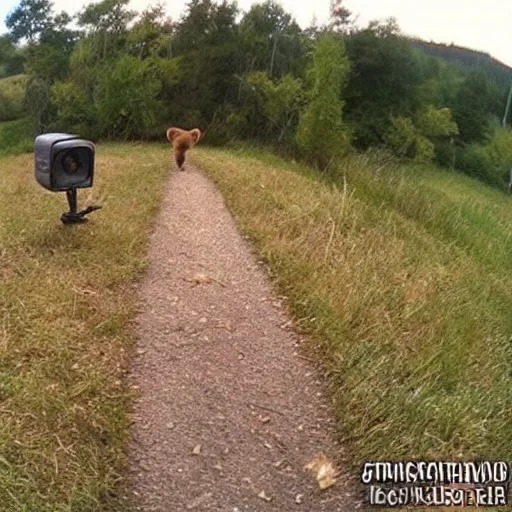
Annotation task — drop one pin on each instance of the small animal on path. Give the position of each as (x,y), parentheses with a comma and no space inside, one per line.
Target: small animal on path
(183,140)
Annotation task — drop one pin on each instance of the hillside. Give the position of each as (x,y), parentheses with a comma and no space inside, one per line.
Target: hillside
(401,279)
(468,59)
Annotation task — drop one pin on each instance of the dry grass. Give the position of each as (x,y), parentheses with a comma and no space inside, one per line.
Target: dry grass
(66,298)
(406,293)
(402,281)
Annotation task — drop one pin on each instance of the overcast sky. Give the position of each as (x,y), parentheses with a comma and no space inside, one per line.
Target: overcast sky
(478,24)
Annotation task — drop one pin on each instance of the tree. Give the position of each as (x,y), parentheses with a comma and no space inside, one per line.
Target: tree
(151,34)
(127,99)
(321,134)
(75,112)
(29,20)
(279,101)
(106,24)
(404,140)
(339,17)
(206,41)
(110,16)
(384,82)
(416,139)
(270,40)
(50,43)
(476,99)
(11,59)
(436,123)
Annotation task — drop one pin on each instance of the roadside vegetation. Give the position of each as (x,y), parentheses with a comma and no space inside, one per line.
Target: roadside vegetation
(402,276)
(66,299)
(377,198)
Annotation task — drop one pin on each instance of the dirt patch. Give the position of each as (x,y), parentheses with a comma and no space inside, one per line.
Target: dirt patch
(229,413)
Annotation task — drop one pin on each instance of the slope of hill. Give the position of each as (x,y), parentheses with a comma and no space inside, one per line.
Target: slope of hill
(402,278)
(468,59)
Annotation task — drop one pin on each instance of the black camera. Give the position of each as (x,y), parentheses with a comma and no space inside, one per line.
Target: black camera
(64,163)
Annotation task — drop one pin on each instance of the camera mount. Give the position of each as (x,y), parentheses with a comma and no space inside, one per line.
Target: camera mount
(73,216)
(65,163)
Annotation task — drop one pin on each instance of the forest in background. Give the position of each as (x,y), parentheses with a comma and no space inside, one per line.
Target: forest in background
(318,93)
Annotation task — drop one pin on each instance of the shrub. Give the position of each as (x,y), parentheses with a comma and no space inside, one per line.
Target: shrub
(75,112)
(321,135)
(476,161)
(12,90)
(127,101)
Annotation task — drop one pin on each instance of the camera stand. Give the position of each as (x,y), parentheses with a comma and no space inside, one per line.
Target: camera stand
(74,216)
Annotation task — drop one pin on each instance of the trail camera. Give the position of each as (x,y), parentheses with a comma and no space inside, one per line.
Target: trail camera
(64,163)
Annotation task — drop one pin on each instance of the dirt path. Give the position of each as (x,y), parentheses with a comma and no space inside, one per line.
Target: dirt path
(219,375)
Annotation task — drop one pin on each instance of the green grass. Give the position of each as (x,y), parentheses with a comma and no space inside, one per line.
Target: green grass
(16,137)
(12,91)
(66,298)
(402,278)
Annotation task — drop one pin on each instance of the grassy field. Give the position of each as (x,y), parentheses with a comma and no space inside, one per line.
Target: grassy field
(402,278)
(66,298)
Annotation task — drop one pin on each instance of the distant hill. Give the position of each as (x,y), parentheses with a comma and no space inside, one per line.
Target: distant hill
(467,58)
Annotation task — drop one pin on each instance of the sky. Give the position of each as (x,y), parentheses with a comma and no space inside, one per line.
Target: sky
(477,24)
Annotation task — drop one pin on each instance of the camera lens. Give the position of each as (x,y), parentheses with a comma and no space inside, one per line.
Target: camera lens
(70,163)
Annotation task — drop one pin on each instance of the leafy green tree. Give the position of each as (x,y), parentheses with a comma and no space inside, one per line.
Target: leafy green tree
(37,102)
(415,139)
(106,25)
(476,100)
(206,42)
(339,17)
(49,46)
(270,40)
(110,16)
(127,99)
(500,148)
(435,123)
(29,20)
(74,111)
(49,58)
(279,101)
(151,34)
(384,82)
(401,137)
(321,134)
(11,97)
(11,58)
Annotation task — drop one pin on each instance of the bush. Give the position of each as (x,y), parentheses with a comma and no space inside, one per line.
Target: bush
(12,90)
(500,148)
(127,101)
(475,160)
(279,102)
(321,135)
(16,136)
(416,139)
(445,154)
(75,112)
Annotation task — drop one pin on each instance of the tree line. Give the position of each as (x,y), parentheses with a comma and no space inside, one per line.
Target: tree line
(319,92)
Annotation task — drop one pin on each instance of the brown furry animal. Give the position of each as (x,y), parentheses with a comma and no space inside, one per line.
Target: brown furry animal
(182,141)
